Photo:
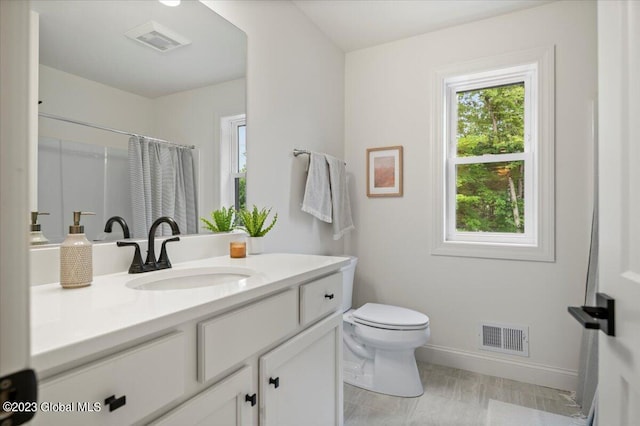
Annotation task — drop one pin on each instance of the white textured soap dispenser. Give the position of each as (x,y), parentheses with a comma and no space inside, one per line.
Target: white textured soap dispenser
(36,237)
(76,256)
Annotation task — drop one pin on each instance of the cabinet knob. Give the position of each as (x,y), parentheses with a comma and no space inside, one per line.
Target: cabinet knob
(275,382)
(115,403)
(251,398)
(329,296)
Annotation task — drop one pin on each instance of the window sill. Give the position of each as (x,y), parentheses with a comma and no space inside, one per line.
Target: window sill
(508,251)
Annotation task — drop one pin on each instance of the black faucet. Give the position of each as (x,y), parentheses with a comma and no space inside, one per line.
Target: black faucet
(121,221)
(163,261)
(151,264)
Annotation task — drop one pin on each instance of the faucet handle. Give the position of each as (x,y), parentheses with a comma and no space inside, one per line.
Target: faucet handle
(136,265)
(163,261)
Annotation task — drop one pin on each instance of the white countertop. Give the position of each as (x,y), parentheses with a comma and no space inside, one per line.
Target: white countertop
(69,324)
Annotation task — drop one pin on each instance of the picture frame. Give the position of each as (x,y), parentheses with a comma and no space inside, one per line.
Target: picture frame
(384,171)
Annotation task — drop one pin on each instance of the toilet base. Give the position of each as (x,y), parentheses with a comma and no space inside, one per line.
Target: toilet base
(392,373)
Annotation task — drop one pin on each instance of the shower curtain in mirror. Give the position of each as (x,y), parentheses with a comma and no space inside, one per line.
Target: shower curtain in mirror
(163,183)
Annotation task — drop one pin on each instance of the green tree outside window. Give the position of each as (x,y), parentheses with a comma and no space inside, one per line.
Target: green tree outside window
(490,196)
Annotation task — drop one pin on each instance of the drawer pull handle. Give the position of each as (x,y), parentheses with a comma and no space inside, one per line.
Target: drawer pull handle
(115,403)
(328,296)
(275,382)
(251,398)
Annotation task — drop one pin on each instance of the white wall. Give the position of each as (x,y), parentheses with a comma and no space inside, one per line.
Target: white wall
(388,102)
(70,96)
(295,99)
(193,117)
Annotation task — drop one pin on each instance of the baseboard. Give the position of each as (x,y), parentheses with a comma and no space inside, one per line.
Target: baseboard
(538,374)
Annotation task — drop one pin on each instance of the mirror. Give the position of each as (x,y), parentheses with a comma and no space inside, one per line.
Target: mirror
(92,72)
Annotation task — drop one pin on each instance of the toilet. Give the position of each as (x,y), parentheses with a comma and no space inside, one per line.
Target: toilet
(380,343)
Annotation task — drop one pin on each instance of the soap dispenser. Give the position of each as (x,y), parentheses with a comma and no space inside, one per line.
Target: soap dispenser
(76,256)
(36,237)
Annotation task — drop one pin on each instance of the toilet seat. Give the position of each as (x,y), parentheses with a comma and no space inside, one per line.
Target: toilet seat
(390,317)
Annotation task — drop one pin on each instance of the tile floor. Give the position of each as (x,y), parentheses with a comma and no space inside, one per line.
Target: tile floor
(452,397)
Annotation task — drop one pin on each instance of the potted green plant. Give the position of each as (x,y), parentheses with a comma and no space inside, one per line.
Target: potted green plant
(222,220)
(253,223)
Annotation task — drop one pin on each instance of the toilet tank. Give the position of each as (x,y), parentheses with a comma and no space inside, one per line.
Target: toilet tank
(348,273)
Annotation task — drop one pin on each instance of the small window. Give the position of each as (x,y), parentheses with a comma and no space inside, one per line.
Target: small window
(239,173)
(489,190)
(233,154)
(495,182)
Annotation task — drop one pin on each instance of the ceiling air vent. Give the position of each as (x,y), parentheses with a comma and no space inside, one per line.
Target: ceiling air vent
(157,37)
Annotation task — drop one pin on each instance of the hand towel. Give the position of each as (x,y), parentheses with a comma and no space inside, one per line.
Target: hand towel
(341,207)
(317,192)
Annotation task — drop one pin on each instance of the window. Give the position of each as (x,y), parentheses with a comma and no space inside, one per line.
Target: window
(496,147)
(233,156)
(490,159)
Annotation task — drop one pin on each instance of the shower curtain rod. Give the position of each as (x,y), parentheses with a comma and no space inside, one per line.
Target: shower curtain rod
(108,129)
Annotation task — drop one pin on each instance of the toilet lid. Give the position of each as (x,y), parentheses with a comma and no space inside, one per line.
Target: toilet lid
(390,317)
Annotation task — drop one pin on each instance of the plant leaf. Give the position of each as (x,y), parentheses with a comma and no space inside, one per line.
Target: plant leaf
(254,221)
(223,220)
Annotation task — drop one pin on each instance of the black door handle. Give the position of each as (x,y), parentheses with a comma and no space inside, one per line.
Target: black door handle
(18,389)
(275,382)
(329,296)
(251,398)
(600,317)
(115,403)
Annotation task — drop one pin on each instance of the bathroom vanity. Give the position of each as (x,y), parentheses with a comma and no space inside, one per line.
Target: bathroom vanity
(262,345)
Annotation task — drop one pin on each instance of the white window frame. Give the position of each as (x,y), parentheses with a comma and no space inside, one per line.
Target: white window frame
(229,157)
(535,69)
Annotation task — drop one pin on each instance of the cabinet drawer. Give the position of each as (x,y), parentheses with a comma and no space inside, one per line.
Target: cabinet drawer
(319,298)
(226,340)
(148,376)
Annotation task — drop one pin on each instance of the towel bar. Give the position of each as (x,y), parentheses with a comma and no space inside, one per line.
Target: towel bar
(297,152)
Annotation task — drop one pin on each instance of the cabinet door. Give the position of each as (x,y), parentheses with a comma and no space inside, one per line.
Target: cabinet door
(227,403)
(301,380)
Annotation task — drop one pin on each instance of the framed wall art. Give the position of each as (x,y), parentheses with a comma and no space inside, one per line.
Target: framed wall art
(384,172)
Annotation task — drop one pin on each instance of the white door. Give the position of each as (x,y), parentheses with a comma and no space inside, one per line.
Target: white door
(619,156)
(15,112)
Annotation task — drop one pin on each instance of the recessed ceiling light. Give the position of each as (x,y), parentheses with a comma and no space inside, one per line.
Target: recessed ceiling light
(171,3)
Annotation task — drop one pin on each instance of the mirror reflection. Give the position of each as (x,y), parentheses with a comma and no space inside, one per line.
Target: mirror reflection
(136,89)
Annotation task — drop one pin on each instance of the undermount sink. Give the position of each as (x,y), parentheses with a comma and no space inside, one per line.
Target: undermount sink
(183,279)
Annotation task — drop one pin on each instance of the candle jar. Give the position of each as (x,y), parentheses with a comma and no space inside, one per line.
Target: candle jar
(237,249)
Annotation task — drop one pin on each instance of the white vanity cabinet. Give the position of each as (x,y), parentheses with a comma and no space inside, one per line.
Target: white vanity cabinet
(301,380)
(267,352)
(293,340)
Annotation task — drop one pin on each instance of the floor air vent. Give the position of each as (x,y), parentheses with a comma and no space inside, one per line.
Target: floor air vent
(504,338)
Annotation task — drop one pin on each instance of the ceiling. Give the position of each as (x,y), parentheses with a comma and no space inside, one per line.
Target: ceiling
(86,38)
(358,24)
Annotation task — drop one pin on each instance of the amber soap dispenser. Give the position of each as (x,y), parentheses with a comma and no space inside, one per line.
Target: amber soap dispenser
(76,256)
